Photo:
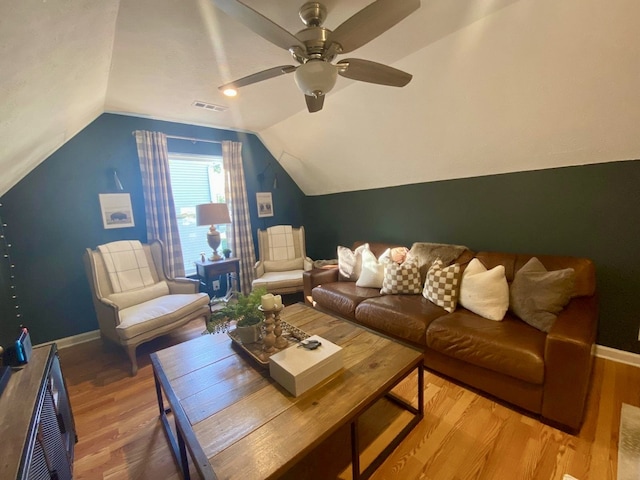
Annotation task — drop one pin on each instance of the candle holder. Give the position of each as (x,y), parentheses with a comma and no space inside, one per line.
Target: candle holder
(281,342)
(273,337)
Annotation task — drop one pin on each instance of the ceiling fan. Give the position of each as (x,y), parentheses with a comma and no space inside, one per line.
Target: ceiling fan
(315,47)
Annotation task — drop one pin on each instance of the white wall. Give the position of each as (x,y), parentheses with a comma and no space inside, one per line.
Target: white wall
(54,66)
(537,84)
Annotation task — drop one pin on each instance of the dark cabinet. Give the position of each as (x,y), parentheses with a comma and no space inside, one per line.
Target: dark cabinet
(36,422)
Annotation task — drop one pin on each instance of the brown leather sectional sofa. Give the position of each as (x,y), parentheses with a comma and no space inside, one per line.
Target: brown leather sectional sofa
(547,374)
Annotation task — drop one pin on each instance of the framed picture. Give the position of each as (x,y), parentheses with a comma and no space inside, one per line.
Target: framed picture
(265,204)
(116,210)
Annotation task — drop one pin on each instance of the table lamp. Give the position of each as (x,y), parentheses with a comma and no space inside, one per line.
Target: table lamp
(213,214)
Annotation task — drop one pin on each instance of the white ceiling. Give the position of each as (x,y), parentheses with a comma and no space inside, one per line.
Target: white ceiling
(499,85)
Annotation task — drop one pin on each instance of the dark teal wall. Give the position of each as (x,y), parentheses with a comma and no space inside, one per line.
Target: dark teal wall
(589,211)
(53,214)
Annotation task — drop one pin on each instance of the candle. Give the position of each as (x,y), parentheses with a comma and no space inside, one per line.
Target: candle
(267,301)
(277,301)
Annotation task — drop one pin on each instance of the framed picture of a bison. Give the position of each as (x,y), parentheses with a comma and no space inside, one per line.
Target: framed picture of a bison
(116,210)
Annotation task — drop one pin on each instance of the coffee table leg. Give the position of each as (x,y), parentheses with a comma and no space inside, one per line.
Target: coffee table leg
(183,455)
(173,440)
(418,415)
(355,450)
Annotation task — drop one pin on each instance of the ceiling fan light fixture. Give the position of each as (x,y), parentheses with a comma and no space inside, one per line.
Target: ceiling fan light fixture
(316,77)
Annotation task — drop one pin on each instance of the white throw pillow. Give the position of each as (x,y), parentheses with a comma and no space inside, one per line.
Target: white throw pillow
(350,262)
(485,292)
(372,272)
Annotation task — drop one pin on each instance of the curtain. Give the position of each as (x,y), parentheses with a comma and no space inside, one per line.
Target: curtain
(158,198)
(236,197)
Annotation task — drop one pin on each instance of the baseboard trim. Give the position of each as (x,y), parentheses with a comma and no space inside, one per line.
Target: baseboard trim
(615,355)
(75,339)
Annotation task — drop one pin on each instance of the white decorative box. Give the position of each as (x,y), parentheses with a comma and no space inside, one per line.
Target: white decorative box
(298,369)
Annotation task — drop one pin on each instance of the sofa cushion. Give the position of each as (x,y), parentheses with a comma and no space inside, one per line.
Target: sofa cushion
(483,291)
(402,316)
(537,296)
(342,297)
(510,347)
(404,278)
(157,313)
(372,271)
(442,285)
(350,262)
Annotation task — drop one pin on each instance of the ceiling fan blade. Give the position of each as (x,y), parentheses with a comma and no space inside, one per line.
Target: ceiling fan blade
(258,77)
(373,72)
(314,104)
(370,22)
(259,23)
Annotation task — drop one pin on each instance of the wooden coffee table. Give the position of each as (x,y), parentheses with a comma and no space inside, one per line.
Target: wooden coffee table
(231,418)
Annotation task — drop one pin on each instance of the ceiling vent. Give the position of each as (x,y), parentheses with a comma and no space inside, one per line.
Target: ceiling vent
(210,106)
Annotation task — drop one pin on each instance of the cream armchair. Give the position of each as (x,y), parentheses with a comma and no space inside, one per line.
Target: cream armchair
(282,259)
(131,314)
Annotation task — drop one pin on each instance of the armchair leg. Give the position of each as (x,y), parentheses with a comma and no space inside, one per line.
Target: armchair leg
(131,352)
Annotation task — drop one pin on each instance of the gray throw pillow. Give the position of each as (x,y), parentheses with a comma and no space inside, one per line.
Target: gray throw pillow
(423,254)
(537,296)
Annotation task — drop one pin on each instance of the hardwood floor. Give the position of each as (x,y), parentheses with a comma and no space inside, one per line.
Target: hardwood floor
(463,436)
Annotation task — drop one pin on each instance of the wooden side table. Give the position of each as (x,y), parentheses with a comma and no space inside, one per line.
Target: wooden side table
(208,271)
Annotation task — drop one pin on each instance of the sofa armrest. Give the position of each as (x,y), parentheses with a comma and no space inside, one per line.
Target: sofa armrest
(183,285)
(317,276)
(568,362)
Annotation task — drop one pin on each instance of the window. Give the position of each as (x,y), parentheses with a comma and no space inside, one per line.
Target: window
(195,179)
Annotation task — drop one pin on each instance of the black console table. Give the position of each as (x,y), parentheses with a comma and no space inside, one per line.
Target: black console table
(37,430)
(209,271)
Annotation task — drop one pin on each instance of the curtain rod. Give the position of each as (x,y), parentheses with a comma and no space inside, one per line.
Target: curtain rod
(191,139)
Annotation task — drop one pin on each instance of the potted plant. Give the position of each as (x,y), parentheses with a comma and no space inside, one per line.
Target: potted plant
(244,312)
(226,252)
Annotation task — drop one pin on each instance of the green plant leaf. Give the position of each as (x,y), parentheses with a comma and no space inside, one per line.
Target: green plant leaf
(243,310)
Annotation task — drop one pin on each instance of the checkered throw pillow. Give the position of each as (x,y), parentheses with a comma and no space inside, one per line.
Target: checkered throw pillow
(442,286)
(401,278)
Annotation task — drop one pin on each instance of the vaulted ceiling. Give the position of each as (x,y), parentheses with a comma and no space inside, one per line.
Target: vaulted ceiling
(499,85)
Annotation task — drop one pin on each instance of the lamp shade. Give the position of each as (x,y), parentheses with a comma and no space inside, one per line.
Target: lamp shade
(212,214)
(316,77)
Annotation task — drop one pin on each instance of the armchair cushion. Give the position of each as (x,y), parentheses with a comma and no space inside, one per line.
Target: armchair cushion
(281,243)
(159,312)
(282,259)
(139,295)
(283,265)
(276,281)
(126,264)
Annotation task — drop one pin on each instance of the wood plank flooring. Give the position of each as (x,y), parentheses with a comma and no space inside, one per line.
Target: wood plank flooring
(463,436)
